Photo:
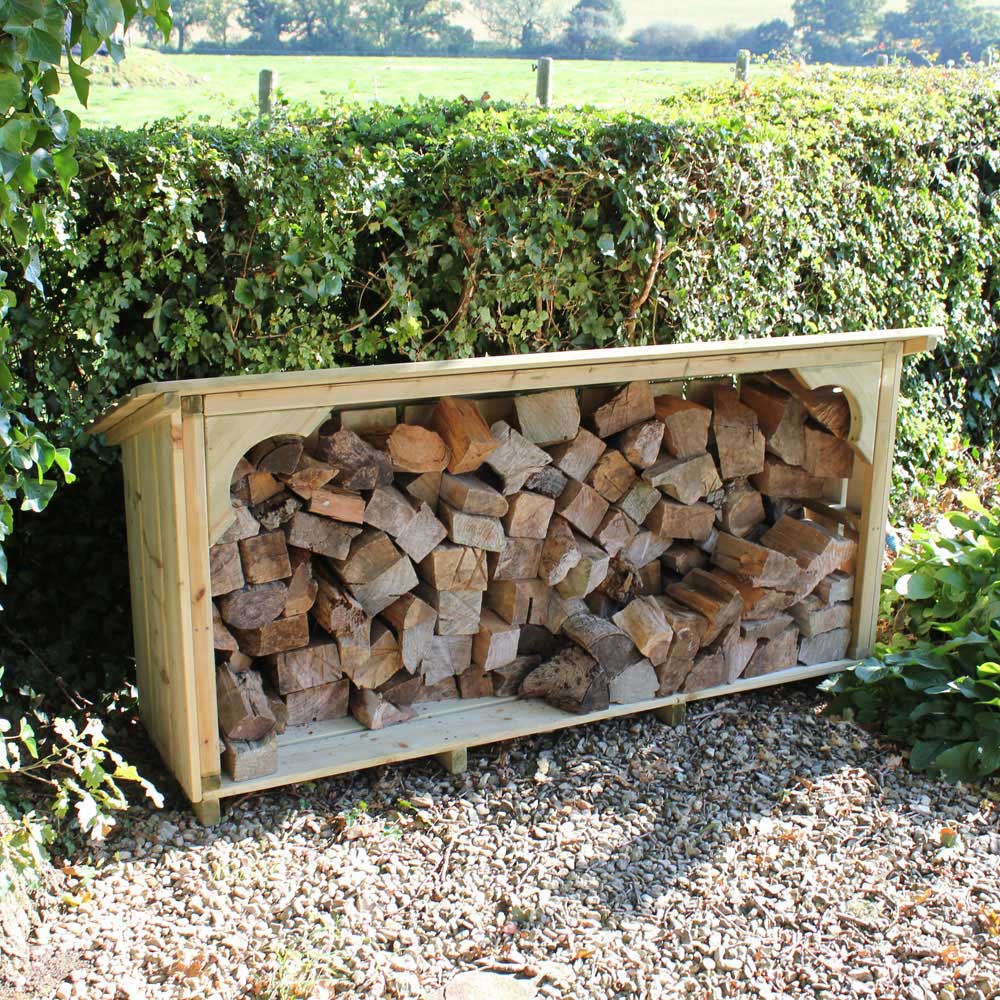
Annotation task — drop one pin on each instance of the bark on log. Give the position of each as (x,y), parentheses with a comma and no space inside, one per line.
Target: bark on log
(572,680)
(359,465)
(321,535)
(603,640)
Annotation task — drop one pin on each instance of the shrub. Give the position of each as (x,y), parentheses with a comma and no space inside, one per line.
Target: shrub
(935,685)
(348,235)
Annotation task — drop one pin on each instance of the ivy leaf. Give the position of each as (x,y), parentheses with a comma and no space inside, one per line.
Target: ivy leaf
(43,47)
(915,586)
(606,244)
(37,494)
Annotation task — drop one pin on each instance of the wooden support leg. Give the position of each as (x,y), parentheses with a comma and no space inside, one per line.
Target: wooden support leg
(672,715)
(454,761)
(208,811)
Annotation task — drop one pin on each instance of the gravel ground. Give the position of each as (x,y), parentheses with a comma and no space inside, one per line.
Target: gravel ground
(759,851)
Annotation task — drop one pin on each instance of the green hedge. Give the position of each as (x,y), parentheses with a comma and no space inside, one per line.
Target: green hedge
(346,236)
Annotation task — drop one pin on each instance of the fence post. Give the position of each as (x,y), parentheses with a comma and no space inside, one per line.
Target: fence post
(987,56)
(265,91)
(743,64)
(881,60)
(543,85)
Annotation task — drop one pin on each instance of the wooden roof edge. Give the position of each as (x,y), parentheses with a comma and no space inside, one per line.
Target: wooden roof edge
(131,413)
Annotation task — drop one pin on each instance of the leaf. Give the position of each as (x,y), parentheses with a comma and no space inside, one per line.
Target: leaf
(43,46)
(37,494)
(606,244)
(80,78)
(916,586)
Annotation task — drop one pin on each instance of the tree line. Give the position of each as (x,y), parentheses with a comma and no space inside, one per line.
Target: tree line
(838,31)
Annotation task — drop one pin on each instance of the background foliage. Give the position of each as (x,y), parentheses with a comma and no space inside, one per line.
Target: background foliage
(356,236)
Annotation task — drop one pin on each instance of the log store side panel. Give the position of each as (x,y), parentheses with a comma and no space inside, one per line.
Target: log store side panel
(181,441)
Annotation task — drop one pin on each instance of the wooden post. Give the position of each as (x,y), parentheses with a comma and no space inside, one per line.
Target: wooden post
(454,761)
(743,65)
(208,812)
(672,715)
(881,60)
(265,91)
(543,85)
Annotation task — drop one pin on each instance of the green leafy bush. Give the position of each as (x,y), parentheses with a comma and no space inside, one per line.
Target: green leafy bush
(936,685)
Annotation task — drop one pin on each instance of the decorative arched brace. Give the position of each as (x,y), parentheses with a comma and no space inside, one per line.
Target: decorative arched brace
(228,438)
(860,384)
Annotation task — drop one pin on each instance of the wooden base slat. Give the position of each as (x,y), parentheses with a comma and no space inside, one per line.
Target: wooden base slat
(341,745)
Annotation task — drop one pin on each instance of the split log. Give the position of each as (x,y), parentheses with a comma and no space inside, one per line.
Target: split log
(682,557)
(560,552)
(302,587)
(720,604)
(636,682)
(817,550)
(283,457)
(402,689)
(222,639)
(689,630)
(375,712)
(615,532)
(422,535)
(758,602)
(316,704)
(640,500)
(475,682)
(603,640)
(253,606)
(582,506)
(298,669)
(383,661)
(265,558)
(737,651)
(464,431)
(359,465)
(375,571)
(274,637)
(641,444)
(321,535)
(589,571)
(370,420)
(825,647)
(619,586)
(835,588)
(631,405)
(561,608)
(441,690)
(825,405)
(449,656)
(425,487)
(455,567)
(781,480)
(742,508)
(507,679)
(472,496)
(777,653)
(518,560)
(549,481)
(547,418)
(245,525)
(354,648)
(782,419)
(650,579)
(645,624)
(528,515)
(537,640)
(708,671)
(243,469)
(474,530)
(414,621)
(417,449)
(277,512)
(612,476)
(685,426)
(516,459)
(458,611)
(670,519)
(244,712)
(262,486)
(814,617)
(519,602)
(765,628)
(225,568)
(335,609)
(577,457)
(827,456)
(495,643)
(758,564)
(644,548)
(739,441)
(306,480)
(246,759)
(572,680)
(339,504)
(684,479)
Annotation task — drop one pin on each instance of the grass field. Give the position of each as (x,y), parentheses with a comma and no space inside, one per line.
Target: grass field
(154,86)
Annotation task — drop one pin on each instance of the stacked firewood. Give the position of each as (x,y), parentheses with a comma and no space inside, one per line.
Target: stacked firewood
(658,545)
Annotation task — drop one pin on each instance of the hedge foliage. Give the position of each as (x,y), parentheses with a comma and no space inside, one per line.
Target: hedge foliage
(342,236)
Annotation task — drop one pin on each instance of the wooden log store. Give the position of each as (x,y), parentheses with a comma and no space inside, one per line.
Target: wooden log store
(336,569)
